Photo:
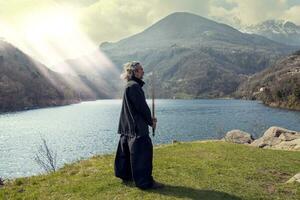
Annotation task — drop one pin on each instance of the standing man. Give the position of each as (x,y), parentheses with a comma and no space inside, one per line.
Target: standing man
(133,160)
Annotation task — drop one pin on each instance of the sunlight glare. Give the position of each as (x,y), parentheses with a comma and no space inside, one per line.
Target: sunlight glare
(53,36)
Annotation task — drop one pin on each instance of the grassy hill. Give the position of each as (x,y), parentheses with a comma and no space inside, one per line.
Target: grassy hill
(192,170)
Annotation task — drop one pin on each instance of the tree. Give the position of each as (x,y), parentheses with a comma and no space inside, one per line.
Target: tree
(46,158)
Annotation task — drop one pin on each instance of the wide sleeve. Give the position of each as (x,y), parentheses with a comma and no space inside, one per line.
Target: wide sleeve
(137,97)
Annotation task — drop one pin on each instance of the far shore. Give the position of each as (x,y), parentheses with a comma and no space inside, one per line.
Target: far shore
(92,100)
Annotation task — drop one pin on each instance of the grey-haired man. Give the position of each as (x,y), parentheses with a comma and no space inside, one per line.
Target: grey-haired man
(134,155)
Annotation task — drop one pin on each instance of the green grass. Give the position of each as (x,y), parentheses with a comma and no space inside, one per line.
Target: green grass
(193,170)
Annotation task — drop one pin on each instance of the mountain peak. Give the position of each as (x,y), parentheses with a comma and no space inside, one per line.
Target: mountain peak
(279,22)
(282,31)
(184,19)
(183,15)
(180,28)
(289,24)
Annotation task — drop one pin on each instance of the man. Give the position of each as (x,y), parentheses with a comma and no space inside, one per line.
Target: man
(134,155)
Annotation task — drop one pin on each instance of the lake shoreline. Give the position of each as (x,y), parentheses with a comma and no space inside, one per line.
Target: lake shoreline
(90,128)
(271,105)
(79,101)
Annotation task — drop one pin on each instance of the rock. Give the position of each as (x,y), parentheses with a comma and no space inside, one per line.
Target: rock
(289,136)
(295,178)
(238,136)
(275,131)
(279,138)
(289,145)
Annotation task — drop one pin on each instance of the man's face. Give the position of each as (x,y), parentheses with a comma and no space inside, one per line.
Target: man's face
(139,72)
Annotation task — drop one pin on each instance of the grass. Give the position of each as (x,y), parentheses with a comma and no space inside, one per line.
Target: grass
(192,170)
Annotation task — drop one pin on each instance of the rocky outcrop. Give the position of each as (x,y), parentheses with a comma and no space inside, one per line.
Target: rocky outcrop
(238,136)
(278,138)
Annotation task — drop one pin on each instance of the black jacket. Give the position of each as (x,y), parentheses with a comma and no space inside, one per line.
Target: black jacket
(135,114)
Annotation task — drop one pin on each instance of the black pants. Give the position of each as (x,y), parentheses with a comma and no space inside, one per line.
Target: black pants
(134,160)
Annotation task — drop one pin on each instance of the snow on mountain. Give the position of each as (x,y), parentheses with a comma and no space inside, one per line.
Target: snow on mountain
(278,30)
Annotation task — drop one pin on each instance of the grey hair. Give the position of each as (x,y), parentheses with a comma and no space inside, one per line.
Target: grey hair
(128,69)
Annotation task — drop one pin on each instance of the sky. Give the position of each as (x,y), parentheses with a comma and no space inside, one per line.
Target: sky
(72,27)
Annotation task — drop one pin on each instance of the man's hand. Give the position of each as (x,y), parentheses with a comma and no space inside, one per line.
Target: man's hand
(154,121)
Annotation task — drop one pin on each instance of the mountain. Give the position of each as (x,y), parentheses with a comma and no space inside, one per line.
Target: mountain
(277,86)
(194,57)
(285,32)
(25,83)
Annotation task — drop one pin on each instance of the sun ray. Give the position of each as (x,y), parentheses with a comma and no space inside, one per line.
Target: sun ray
(53,37)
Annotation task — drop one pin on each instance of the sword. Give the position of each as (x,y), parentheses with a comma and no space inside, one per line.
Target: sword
(153,105)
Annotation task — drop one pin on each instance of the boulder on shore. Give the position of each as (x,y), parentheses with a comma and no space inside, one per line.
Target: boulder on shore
(238,136)
(278,138)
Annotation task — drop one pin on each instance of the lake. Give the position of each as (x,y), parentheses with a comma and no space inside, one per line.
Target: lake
(82,130)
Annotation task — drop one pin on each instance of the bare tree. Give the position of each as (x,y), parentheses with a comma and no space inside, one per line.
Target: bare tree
(46,158)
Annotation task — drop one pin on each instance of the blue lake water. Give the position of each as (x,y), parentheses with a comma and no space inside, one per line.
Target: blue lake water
(82,130)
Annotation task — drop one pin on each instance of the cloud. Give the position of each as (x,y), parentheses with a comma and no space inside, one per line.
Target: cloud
(112,20)
(115,19)
(227,16)
(292,14)
(76,2)
(248,12)
(13,10)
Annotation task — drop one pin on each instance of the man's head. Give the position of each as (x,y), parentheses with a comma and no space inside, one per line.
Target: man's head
(131,69)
